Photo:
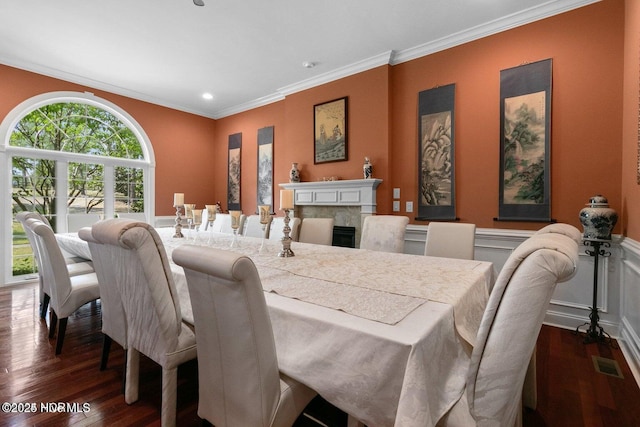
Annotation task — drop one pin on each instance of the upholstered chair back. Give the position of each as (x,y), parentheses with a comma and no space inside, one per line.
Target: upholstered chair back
(146,286)
(384,233)
(54,268)
(511,323)
(451,240)
(107,260)
(237,364)
(317,230)
(562,228)
(253,228)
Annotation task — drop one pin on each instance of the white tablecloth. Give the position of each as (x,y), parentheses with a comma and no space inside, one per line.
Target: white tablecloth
(382,339)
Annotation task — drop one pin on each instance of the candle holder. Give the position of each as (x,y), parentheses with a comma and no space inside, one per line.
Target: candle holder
(265,218)
(178,227)
(211,217)
(188,213)
(235,224)
(286,251)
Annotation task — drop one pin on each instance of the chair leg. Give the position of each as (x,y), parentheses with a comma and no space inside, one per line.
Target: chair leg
(124,376)
(106,346)
(62,328)
(169,397)
(53,322)
(132,376)
(44,305)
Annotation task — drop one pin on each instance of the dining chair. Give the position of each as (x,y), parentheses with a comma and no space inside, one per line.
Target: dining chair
(138,216)
(152,309)
(509,329)
(317,230)
(277,226)
(253,228)
(238,376)
(562,228)
(106,262)
(75,221)
(67,293)
(450,240)
(75,265)
(384,233)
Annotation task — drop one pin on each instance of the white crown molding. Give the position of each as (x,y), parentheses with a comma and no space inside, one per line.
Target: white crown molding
(550,8)
(504,23)
(546,10)
(338,73)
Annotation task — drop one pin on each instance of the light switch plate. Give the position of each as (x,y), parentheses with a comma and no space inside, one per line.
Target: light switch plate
(396,193)
(396,205)
(409,207)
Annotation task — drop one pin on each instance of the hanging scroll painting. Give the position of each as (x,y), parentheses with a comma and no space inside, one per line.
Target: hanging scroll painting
(265,167)
(525,130)
(233,181)
(436,198)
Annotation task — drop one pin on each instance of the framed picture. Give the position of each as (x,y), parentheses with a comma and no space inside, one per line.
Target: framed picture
(436,159)
(265,168)
(233,180)
(525,132)
(330,131)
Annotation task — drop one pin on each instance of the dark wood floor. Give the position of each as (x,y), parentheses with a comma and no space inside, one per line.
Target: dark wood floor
(571,392)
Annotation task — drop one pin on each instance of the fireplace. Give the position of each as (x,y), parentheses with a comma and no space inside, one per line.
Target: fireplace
(344,236)
(347,201)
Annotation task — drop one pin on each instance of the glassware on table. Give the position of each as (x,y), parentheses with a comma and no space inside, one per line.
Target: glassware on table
(197,221)
(265,214)
(235,224)
(188,214)
(211,217)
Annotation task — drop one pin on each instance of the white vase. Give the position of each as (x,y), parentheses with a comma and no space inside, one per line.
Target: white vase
(294,173)
(367,168)
(598,219)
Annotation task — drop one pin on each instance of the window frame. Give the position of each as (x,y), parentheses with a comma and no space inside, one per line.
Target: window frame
(7,152)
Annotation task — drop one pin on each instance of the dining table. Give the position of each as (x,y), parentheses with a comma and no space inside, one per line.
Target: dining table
(385,337)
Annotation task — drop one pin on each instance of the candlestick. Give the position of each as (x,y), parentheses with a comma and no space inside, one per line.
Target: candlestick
(286,251)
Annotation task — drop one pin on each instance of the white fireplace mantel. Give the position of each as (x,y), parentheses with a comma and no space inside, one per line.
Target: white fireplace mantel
(348,192)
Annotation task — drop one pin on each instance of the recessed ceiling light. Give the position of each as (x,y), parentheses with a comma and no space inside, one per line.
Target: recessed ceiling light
(308,64)
(207,96)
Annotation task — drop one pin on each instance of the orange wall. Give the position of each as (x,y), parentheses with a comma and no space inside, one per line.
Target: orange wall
(368,134)
(630,215)
(586,46)
(589,62)
(182,142)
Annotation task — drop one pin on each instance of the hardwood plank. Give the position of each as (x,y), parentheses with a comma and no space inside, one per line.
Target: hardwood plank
(570,391)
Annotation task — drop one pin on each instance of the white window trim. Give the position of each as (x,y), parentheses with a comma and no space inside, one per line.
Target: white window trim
(7,152)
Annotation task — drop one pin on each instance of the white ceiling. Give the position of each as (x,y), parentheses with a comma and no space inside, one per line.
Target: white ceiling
(245,52)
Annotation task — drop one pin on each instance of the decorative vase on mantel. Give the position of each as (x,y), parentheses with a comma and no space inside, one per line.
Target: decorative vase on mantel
(367,168)
(598,219)
(294,173)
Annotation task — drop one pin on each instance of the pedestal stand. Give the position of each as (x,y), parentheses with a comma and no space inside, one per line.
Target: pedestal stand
(595,332)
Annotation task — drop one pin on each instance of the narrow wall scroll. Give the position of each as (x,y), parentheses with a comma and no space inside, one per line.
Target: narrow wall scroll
(525,137)
(265,167)
(436,186)
(233,181)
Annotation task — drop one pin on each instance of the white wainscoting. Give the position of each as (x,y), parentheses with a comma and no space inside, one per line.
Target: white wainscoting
(618,284)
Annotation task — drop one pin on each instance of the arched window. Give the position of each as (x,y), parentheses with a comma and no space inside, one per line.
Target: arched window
(65,154)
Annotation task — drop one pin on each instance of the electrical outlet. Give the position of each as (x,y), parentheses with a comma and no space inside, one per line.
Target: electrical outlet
(396,193)
(409,207)
(396,205)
